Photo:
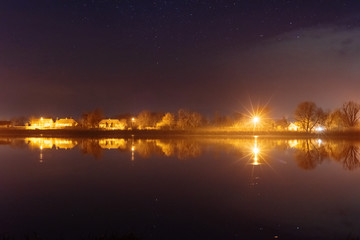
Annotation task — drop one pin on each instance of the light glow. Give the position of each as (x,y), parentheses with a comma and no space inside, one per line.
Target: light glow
(319,129)
(293,127)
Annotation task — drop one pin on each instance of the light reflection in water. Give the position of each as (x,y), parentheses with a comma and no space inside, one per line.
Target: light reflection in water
(256,152)
(308,153)
(41,157)
(112,143)
(49,143)
(255,175)
(319,141)
(132,148)
(293,143)
(267,196)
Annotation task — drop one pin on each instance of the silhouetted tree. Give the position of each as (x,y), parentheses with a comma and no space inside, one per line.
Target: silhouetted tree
(219,120)
(187,119)
(282,123)
(148,119)
(126,116)
(350,113)
(225,120)
(19,121)
(308,115)
(334,120)
(91,119)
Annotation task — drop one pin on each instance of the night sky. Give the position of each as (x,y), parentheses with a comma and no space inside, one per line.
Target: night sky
(62,58)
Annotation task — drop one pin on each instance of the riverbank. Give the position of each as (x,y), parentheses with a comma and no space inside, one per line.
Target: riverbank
(97,133)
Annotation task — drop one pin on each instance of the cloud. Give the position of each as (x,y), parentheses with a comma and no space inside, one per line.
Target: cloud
(321,64)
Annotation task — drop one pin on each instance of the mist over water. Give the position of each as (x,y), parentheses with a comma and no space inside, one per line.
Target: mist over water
(180,188)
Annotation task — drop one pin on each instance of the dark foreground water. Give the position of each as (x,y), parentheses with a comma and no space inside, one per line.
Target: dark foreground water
(184,188)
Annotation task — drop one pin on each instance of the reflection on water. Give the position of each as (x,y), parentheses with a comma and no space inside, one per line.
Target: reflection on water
(308,153)
(181,188)
(112,143)
(256,152)
(57,143)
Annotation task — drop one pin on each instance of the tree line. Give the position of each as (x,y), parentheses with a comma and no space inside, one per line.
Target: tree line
(182,120)
(307,116)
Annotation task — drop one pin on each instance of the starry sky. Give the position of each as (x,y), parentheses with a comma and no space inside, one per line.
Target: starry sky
(62,58)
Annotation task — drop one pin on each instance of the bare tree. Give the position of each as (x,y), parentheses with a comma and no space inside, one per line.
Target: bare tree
(91,119)
(334,120)
(167,122)
(147,119)
(350,113)
(19,121)
(282,123)
(308,115)
(187,119)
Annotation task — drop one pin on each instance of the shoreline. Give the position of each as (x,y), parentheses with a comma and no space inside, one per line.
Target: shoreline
(98,133)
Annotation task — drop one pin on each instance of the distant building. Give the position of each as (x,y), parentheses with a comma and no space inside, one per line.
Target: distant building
(115,124)
(5,124)
(293,127)
(65,123)
(41,123)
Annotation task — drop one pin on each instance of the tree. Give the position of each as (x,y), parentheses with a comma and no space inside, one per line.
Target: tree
(187,119)
(308,115)
(222,120)
(19,121)
(334,120)
(167,122)
(91,119)
(350,113)
(282,123)
(147,119)
(143,120)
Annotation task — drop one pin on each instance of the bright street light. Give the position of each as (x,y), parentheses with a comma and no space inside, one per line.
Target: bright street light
(256,120)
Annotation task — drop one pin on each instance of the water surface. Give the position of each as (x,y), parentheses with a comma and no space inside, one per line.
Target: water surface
(180,188)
